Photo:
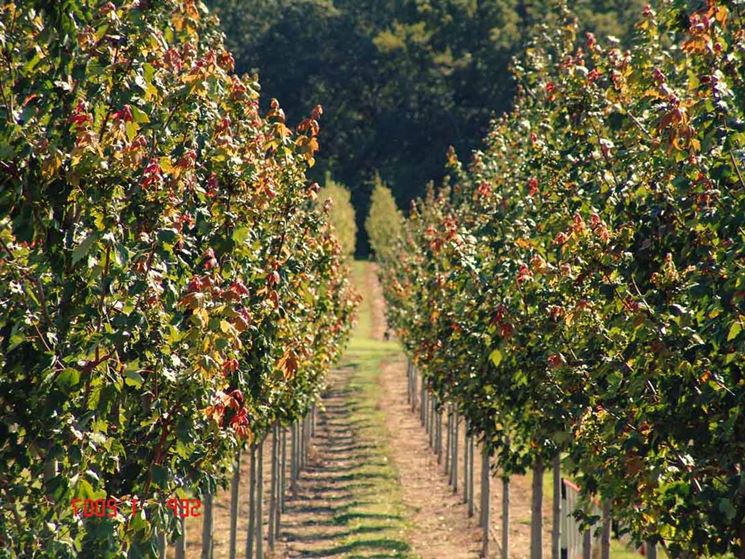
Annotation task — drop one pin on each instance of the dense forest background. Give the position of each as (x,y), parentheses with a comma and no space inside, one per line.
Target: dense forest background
(399,80)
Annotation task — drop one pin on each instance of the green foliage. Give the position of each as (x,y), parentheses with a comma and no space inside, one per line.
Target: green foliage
(401,80)
(168,289)
(383,223)
(578,287)
(340,212)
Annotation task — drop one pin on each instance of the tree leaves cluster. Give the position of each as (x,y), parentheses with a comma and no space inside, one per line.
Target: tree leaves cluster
(577,289)
(168,287)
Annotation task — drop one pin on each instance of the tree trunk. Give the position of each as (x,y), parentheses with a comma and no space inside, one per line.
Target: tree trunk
(455,453)
(423,403)
(273,486)
(413,389)
(556,526)
(485,501)
(470,476)
(465,463)
(162,545)
(251,505)
(181,541)
(605,538)
(587,545)
(408,380)
(207,527)
(449,442)
(651,550)
(293,459)
(234,494)
(260,501)
(536,512)
(282,478)
(438,435)
(505,517)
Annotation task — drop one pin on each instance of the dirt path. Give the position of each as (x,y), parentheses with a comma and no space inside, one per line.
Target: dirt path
(441,528)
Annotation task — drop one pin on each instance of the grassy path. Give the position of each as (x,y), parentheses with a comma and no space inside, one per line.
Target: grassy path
(349,503)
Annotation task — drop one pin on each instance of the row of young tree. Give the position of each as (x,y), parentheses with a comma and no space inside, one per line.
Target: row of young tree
(576,291)
(170,290)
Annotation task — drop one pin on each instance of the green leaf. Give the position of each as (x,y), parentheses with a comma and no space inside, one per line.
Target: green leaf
(83,248)
(241,234)
(133,378)
(734,330)
(496,357)
(69,378)
(84,490)
(139,116)
(725,506)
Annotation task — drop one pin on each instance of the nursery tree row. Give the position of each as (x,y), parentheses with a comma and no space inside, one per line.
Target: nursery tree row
(169,288)
(577,290)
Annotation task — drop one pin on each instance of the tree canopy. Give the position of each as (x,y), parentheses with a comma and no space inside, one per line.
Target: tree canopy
(400,80)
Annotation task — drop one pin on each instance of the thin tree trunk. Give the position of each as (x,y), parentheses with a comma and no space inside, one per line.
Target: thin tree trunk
(449,442)
(260,501)
(505,517)
(293,459)
(273,486)
(438,435)
(301,433)
(280,482)
(413,389)
(465,462)
(556,526)
(536,520)
(605,536)
(455,453)
(251,505)
(651,550)
(282,477)
(470,476)
(485,501)
(432,424)
(408,380)
(587,545)
(207,527)
(181,541)
(423,404)
(234,495)
(162,546)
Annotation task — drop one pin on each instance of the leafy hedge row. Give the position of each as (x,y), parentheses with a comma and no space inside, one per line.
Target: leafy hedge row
(580,287)
(168,287)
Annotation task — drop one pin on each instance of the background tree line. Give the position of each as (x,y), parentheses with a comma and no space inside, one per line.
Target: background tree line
(400,80)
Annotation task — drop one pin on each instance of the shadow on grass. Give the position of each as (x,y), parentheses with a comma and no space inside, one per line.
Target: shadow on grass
(390,545)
